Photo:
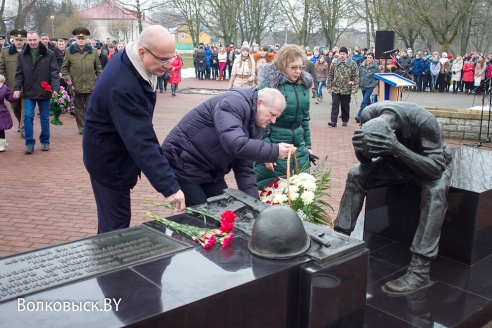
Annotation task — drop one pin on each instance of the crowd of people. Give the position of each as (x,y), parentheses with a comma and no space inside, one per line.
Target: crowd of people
(443,72)
(261,118)
(431,72)
(31,63)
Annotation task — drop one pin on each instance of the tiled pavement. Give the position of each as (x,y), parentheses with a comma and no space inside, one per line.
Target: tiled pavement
(46,198)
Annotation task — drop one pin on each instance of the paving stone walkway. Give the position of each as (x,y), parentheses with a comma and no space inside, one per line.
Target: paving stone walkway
(46,198)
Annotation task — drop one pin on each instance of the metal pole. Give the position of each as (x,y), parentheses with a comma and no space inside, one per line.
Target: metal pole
(52,26)
(286,27)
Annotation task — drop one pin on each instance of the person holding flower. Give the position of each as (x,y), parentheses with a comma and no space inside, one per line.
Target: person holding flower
(119,142)
(222,134)
(36,65)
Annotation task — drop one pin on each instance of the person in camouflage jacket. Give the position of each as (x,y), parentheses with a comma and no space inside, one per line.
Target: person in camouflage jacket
(343,80)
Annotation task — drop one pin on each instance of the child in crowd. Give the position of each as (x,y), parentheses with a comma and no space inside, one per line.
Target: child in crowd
(5,118)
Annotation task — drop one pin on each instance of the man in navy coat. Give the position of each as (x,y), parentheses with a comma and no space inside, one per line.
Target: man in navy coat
(225,133)
(119,141)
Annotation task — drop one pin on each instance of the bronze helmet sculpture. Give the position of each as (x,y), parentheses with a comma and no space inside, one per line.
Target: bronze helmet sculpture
(278,233)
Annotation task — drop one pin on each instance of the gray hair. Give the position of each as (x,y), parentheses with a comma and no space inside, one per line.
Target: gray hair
(2,78)
(271,97)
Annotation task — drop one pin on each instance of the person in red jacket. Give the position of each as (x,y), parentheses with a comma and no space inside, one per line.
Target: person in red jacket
(175,73)
(468,74)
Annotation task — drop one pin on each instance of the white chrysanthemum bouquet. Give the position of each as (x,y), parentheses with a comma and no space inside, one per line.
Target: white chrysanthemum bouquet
(304,193)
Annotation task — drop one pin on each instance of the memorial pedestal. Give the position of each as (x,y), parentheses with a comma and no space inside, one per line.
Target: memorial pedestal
(179,284)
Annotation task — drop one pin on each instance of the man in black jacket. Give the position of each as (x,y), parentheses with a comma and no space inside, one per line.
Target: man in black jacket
(224,133)
(45,40)
(37,77)
(103,59)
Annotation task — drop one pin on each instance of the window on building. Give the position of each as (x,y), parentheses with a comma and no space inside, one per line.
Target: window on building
(183,36)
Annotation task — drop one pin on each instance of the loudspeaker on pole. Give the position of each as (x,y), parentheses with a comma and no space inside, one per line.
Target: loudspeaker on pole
(385,43)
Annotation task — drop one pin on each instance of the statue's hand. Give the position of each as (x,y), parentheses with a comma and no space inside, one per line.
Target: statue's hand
(379,144)
(360,146)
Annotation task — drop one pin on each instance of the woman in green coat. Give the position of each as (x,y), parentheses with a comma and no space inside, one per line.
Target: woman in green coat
(286,73)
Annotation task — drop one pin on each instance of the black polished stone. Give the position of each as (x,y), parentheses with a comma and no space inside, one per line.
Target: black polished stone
(475,278)
(440,305)
(333,293)
(216,287)
(374,318)
(52,266)
(379,269)
(139,299)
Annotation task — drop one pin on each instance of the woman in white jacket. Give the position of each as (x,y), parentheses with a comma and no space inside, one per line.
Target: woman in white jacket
(456,73)
(243,70)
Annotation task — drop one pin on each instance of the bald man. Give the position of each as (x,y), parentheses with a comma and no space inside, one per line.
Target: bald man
(119,140)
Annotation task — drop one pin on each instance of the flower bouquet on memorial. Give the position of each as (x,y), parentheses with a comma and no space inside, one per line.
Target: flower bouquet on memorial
(59,104)
(204,236)
(305,193)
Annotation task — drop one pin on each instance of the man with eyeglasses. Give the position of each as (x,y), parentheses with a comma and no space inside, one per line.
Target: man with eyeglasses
(81,68)
(119,140)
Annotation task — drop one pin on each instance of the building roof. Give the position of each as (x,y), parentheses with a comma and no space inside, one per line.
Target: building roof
(110,10)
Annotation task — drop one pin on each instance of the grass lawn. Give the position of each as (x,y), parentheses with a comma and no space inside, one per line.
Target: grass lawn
(187,60)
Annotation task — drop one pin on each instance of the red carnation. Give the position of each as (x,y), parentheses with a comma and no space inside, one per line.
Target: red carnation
(228,216)
(44,84)
(226,226)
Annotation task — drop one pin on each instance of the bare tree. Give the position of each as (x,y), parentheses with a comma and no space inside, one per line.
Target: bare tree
(256,18)
(300,16)
(221,17)
(120,29)
(443,18)
(3,27)
(189,10)
(331,14)
(479,26)
(64,25)
(139,7)
(23,10)
(401,18)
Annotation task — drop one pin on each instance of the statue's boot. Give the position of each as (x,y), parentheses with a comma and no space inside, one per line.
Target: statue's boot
(343,231)
(417,277)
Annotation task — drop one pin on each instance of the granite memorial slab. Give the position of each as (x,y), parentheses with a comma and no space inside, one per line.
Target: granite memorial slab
(49,267)
(152,276)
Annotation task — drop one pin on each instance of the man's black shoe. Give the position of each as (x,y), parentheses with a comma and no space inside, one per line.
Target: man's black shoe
(333,125)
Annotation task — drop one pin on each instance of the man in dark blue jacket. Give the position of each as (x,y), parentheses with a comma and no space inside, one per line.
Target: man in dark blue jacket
(224,133)
(119,140)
